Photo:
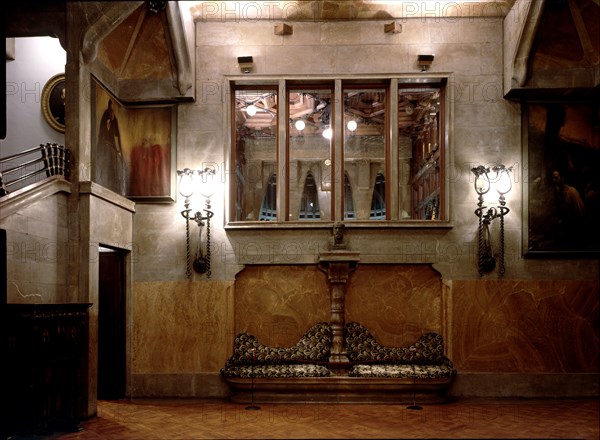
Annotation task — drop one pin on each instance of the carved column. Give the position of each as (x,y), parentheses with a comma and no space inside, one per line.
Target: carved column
(338,265)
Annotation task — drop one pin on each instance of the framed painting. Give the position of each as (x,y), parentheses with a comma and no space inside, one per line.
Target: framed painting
(134,148)
(561,187)
(53,102)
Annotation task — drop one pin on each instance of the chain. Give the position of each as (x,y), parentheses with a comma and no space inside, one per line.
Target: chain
(208,216)
(501,256)
(481,245)
(188,258)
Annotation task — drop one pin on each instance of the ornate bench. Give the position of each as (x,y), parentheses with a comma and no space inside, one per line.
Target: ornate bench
(375,373)
(424,359)
(308,358)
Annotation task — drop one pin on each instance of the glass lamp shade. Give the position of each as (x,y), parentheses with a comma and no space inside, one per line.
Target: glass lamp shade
(328,133)
(300,125)
(503,183)
(251,110)
(186,183)
(352,125)
(482,183)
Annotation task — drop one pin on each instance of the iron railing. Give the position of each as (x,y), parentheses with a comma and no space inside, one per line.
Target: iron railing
(54,160)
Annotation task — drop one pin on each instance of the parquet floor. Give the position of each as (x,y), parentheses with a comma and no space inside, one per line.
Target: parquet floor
(465,418)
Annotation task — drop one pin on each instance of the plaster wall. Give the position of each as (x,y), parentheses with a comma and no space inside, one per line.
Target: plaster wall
(37,59)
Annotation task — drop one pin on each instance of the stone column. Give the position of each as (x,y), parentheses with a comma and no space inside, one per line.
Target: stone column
(338,264)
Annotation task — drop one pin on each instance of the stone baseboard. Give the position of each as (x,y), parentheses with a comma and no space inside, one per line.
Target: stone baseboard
(513,385)
(526,385)
(183,385)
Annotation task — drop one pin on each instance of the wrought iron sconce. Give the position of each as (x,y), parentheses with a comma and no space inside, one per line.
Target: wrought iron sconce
(201,263)
(483,183)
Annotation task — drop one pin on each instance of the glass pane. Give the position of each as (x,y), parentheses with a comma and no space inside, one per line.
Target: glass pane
(310,133)
(349,213)
(255,155)
(309,204)
(378,200)
(365,149)
(419,153)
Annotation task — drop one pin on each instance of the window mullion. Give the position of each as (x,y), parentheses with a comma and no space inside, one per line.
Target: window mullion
(282,155)
(337,153)
(392,145)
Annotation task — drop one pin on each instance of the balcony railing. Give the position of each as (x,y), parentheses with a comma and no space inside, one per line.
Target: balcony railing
(53,160)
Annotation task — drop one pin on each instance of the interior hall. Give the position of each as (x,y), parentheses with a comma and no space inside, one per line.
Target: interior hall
(307,219)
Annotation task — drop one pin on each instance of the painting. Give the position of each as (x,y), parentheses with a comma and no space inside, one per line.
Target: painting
(53,102)
(561,187)
(134,148)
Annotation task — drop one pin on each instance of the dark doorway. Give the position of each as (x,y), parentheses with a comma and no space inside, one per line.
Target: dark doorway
(111,325)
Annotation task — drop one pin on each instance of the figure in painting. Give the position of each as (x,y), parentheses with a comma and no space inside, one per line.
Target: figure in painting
(570,210)
(150,164)
(111,166)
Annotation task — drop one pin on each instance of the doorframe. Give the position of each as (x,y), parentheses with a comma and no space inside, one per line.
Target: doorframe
(127,291)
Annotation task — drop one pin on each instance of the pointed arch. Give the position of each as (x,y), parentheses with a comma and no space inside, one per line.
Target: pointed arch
(268,209)
(349,213)
(309,203)
(378,208)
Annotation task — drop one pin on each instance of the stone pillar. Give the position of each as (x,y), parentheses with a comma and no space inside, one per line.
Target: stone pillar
(338,264)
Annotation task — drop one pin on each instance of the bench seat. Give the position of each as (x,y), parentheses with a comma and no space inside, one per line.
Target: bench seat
(375,373)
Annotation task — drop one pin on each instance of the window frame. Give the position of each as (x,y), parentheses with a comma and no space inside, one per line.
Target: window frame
(341,82)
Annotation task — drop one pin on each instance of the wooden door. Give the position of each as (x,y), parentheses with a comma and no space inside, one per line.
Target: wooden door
(111,325)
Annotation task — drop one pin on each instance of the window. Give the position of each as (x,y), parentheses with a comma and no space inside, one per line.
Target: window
(376,155)
(255,153)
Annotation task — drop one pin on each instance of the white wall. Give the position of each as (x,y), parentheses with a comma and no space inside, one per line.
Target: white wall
(37,59)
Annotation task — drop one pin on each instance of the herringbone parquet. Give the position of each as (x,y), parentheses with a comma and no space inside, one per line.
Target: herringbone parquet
(465,418)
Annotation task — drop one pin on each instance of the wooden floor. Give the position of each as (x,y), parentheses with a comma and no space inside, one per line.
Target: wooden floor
(465,418)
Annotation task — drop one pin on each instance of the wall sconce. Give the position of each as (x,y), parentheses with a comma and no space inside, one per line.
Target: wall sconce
(246,64)
(425,62)
(501,180)
(201,263)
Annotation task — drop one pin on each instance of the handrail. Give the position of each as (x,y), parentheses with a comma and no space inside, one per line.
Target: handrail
(56,160)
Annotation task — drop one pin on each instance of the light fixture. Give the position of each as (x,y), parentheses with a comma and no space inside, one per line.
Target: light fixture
(300,125)
(251,110)
(352,125)
(187,186)
(328,133)
(425,61)
(501,181)
(246,64)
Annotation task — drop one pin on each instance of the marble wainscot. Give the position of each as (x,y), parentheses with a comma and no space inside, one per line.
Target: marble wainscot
(337,361)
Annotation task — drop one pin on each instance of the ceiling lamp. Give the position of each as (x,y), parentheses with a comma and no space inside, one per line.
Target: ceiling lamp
(300,125)
(251,110)
(328,133)
(352,125)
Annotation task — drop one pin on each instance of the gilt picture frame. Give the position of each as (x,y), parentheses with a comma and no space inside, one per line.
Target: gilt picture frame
(53,102)
(133,147)
(561,185)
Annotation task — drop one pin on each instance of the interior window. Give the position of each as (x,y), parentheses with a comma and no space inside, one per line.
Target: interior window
(309,151)
(419,152)
(255,151)
(385,161)
(365,143)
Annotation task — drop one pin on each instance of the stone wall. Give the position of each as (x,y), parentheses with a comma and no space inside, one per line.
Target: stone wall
(276,295)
